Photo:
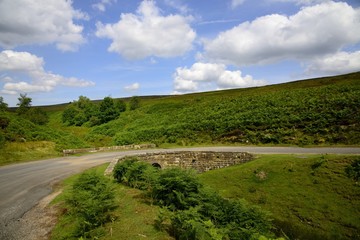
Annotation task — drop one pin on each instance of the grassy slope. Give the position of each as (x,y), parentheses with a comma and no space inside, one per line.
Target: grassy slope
(28,141)
(135,218)
(321,111)
(310,196)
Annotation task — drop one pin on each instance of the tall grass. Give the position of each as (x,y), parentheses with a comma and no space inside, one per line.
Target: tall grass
(15,152)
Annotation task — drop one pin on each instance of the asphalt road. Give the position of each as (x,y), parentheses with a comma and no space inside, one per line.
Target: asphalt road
(23,185)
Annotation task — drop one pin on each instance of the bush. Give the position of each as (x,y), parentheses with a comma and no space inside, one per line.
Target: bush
(91,200)
(2,140)
(125,138)
(201,214)
(135,174)
(4,122)
(189,224)
(134,103)
(353,170)
(37,116)
(195,212)
(177,189)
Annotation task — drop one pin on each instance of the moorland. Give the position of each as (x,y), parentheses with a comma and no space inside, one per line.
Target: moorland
(296,197)
(320,112)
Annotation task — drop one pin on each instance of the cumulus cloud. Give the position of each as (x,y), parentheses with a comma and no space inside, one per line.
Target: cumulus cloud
(148,33)
(339,63)
(132,87)
(102,4)
(210,76)
(31,68)
(40,22)
(312,32)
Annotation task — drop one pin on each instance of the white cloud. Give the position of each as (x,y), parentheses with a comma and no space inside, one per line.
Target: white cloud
(102,4)
(24,22)
(236,3)
(132,87)
(210,76)
(301,2)
(31,67)
(312,32)
(148,33)
(339,63)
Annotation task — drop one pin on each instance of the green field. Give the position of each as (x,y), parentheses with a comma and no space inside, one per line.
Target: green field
(310,196)
(320,112)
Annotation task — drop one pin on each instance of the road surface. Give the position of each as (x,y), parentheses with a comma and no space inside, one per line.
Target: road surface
(23,185)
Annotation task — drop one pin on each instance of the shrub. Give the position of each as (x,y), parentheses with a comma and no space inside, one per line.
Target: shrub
(135,174)
(177,189)
(353,170)
(189,224)
(4,122)
(37,116)
(195,213)
(126,138)
(120,105)
(2,140)
(91,200)
(107,110)
(134,103)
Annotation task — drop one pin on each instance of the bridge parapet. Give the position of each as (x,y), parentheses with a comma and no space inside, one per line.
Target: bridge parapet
(201,161)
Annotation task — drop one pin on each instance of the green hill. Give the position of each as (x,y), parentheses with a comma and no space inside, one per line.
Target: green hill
(318,111)
(322,111)
(310,197)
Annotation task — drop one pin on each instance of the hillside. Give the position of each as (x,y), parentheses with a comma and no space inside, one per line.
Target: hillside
(318,111)
(322,111)
(310,197)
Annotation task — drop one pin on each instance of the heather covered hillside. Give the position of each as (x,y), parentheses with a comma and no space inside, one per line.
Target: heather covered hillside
(311,112)
(322,111)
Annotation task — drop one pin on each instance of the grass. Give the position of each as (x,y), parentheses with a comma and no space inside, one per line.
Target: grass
(314,112)
(136,218)
(133,219)
(310,196)
(15,152)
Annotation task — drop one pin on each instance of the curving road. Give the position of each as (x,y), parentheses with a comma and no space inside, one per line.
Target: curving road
(23,185)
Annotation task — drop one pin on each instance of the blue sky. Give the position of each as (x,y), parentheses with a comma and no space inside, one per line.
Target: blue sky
(57,50)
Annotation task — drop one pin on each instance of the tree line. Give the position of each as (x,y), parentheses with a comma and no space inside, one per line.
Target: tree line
(25,110)
(85,112)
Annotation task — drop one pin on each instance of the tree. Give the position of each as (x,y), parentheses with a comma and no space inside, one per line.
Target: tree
(69,114)
(107,110)
(24,104)
(3,105)
(120,105)
(134,103)
(83,102)
(37,116)
(80,112)
(86,106)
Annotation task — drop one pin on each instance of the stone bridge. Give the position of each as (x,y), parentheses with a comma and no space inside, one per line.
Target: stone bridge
(201,161)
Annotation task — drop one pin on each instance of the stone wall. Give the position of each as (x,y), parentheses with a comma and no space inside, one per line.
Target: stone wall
(200,161)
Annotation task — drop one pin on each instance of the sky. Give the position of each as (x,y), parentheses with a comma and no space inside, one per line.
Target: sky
(56,50)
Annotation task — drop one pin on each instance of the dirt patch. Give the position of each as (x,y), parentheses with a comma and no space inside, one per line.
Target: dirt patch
(37,223)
